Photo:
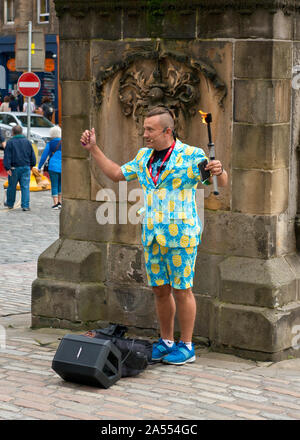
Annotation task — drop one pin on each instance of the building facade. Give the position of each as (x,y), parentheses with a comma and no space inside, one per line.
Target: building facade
(14,18)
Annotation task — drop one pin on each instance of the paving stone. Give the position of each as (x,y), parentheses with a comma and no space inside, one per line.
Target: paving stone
(273,416)
(250,416)
(250,397)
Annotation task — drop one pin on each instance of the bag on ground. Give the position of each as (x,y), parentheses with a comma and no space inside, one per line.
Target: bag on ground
(136,353)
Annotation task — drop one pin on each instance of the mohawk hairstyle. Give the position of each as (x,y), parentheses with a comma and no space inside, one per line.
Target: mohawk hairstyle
(165,112)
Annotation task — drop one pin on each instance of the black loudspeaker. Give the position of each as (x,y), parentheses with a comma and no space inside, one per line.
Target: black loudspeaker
(88,361)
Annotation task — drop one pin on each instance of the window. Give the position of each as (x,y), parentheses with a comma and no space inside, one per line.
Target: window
(36,121)
(43,11)
(4,119)
(9,11)
(10,119)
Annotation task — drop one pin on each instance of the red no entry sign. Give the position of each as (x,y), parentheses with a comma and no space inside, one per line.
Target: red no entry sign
(29,84)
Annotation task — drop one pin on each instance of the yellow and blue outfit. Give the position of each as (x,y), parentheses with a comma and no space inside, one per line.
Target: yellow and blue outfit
(171,227)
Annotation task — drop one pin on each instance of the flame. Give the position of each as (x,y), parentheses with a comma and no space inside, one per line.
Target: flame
(203,116)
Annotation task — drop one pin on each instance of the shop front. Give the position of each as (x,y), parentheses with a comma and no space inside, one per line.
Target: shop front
(49,77)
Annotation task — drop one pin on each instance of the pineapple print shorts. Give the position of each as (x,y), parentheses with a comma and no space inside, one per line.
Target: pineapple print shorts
(174,266)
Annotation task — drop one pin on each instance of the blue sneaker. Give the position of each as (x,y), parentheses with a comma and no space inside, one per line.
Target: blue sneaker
(160,350)
(181,355)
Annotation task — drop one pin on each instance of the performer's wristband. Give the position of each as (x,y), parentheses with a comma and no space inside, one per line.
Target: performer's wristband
(218,175)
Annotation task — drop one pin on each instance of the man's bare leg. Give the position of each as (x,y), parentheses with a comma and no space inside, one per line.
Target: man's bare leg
(165,309)
(186,311)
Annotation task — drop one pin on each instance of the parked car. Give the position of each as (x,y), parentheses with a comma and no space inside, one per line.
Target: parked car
(39,126)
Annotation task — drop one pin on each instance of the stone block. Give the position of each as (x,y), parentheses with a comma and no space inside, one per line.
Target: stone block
(285,234)
(164,24)
(75,56)
(297,27)
(229,233)
(72,302)
(205,317)
(219,55)
(131,306)
(259,191)
(76,180)
(75,98)
(262,101)
(296,55)
(78,221)
(260,146)
(94,24)
(206,277)
(294,261)
(257,282)
(105,54)
(263,59)
(257,23)
(104,189)
(283,25)
(73,260)
(257,332)
(126,265)
(72,128)
(223,24)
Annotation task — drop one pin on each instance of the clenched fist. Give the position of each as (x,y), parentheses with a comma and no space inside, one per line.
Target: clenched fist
(88,139)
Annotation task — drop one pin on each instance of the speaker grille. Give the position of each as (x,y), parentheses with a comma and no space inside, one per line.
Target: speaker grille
(88,361)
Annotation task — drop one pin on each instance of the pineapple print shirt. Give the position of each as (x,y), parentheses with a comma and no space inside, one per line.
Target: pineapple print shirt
(170,211)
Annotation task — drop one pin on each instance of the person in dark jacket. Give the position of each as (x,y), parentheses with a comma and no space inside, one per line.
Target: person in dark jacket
(53,152)
(13,103)
(19,158)
(20,100)
(2,141)
(47,107)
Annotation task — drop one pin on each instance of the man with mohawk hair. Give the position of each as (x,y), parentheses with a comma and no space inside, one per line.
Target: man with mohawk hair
(169,173)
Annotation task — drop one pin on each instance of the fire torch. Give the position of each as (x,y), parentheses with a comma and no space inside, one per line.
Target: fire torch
(207,119)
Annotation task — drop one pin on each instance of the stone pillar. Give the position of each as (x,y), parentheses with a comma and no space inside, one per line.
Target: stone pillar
(234,59)
(254,308)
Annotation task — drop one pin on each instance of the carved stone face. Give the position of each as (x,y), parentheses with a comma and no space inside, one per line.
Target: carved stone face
(156,95)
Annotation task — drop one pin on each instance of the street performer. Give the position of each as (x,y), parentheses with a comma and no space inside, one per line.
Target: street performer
(169,173)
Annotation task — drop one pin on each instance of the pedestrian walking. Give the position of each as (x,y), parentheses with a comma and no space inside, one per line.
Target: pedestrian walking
(32,106)
(53,152)
(18,160)
(4,107)
(168,171)
(47,108)
(13,104)
(2,141)
(20,100)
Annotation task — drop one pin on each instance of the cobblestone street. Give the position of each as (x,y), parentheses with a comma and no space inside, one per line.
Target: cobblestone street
(24,235)
(216,386)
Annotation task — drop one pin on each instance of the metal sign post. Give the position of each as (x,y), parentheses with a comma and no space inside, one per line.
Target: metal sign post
(29,70)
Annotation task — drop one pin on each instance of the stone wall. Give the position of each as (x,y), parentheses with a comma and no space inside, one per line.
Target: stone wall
(247,271)
(27,10)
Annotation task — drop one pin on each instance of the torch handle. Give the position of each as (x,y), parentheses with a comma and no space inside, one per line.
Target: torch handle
(215,183)
(211,147)
(209,135)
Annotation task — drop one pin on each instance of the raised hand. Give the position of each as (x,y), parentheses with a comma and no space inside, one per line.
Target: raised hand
(88,139)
